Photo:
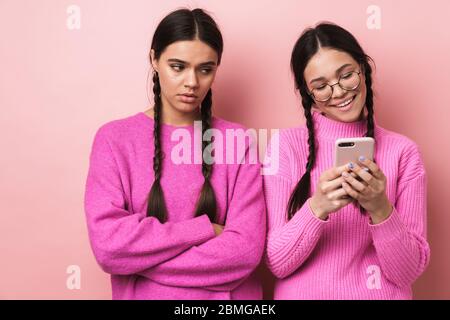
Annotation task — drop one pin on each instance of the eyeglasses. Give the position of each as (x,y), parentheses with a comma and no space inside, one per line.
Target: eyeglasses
(348,81)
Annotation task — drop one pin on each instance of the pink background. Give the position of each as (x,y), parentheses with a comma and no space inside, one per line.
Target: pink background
(57,86)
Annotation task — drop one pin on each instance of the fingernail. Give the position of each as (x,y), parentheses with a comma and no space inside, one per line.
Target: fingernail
(345,174)
(366,169)
(350,165)
(362,158)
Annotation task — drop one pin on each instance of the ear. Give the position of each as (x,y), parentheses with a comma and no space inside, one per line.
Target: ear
(153,61)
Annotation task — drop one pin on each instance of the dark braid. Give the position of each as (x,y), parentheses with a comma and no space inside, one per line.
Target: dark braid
(369,106)
(182,25)
(156,204)
(369,101)
(207,199)
(301,190)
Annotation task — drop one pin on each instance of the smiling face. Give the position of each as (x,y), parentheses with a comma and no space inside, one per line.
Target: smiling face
(327,66)
(186,72)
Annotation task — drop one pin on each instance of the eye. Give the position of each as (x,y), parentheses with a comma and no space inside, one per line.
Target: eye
(177,67)
(346,75)
(206,70)
(322,87)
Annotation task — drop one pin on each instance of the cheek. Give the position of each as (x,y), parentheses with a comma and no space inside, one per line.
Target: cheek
(169,83)
(363,95)
(206,83)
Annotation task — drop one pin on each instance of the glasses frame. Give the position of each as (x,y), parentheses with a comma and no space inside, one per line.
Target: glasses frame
(311,93)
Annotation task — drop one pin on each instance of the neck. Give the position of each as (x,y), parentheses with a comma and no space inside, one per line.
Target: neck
(174,117)
(177,118)
(332,129)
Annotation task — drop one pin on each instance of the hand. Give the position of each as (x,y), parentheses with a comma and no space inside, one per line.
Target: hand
(329,195)
(370,192)
(218,229)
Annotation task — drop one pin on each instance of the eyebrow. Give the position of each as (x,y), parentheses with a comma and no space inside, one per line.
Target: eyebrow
(208,63)
(337,71)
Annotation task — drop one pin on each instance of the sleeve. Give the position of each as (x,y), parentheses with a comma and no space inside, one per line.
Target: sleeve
(125,243)
(223,263)
(289,243)
(400,240)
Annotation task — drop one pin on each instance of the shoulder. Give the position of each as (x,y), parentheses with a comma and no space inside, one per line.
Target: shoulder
(234,130)
(294,135)
(288,148)
(118,129)
(291,141)
(403,148)
(223,124)
(395,141)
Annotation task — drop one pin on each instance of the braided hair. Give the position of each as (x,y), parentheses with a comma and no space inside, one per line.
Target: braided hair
(312,39)
(183,24)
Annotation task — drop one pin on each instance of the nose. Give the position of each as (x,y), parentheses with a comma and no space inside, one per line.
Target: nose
(338,92)
(191,80)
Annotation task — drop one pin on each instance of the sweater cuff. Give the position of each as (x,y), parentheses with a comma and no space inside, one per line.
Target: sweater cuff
(306,220)
(390,229)
(201,229)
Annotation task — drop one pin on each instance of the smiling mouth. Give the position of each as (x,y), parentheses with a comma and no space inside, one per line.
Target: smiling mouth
(345,103)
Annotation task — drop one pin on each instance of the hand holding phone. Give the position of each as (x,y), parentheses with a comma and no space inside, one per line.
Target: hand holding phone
(329,195)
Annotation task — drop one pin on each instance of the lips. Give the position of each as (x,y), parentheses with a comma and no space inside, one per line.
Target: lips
(344,103)
(188,97)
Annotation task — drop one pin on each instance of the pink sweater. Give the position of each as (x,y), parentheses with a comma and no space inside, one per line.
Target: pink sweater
(182,258)
(346,257)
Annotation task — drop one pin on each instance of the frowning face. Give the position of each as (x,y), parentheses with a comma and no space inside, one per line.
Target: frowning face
(186,72)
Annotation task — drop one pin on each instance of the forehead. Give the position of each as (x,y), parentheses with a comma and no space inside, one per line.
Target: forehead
(325,63)
(192,51)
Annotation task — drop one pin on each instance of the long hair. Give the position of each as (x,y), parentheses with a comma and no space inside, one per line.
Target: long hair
(183,24)
(332,36)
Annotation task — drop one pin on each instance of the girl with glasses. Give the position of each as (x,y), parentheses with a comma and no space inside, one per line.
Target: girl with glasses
(352,232)
(166,229)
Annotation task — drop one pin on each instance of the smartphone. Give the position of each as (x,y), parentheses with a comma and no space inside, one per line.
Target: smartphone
(350,149)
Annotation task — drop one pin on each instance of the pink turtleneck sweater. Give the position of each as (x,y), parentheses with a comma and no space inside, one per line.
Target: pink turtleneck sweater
(182,258)
(346,257)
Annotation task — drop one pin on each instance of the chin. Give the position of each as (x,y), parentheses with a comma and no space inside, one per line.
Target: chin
(351,116)
(186,107)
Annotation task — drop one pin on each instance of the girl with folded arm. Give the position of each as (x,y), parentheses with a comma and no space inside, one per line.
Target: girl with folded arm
(166,229)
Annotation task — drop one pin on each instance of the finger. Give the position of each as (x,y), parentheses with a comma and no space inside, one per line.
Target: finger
(329,186)
(354,175)
(350,191)
(342,202)
(333,173)
(373,167)
(355,184)
(336,194)
(366,176)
